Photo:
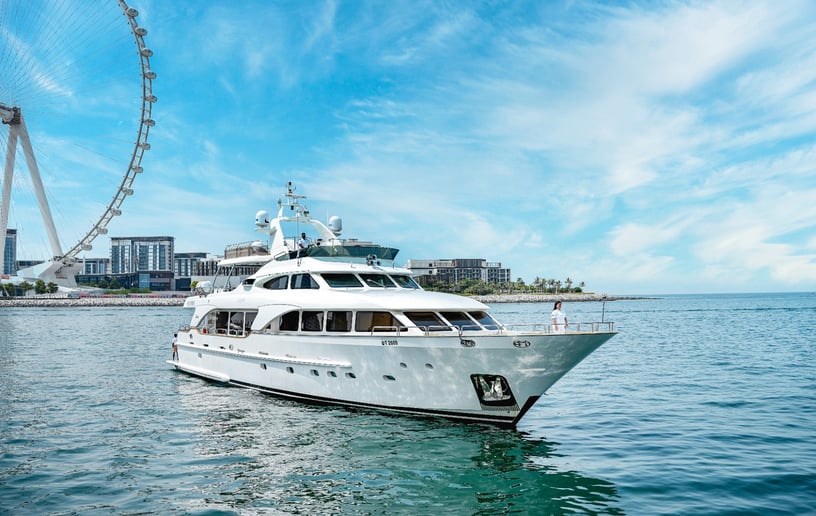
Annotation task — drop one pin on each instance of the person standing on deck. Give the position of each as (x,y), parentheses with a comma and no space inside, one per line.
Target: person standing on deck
(559,319)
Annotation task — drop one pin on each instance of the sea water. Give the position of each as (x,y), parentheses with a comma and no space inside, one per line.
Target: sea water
(701,405)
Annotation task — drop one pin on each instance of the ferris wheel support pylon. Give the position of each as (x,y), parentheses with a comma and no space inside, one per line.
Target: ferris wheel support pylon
(17,130)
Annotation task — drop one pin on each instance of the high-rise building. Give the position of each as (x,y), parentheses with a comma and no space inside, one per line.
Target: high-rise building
(10,252)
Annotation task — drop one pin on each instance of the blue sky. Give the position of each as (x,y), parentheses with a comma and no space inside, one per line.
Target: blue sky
(648,147)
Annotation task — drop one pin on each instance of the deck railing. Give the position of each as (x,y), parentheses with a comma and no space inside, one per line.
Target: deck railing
(581,327)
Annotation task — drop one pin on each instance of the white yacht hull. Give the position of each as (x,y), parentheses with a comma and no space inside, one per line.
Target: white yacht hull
(428,374)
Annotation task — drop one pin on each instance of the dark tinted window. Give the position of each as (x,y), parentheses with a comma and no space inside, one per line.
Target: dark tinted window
(427,320)
(312,321)
(485,320)
(278,283)
(377,280)
(460,320)
(303,281)
(289,321)
(341,280)
(338,321)
(405,281)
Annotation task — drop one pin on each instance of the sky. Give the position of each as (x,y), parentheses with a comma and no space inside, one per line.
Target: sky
(638,147)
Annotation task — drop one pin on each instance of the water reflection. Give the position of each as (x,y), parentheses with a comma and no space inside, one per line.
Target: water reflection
(258,453)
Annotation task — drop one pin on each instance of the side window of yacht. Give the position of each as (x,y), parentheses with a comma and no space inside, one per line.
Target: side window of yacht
(376,321)
(427,321)
(236,323)
(221,322)
(377,280)
(405,281)
(338,321)
(278,283)
(250,318)
(485,320)
(460,320)
(303,281)
(208,323)
(312,321)
(289,321)
(342,280)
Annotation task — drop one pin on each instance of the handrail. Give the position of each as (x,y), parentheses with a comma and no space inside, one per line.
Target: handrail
(581,327)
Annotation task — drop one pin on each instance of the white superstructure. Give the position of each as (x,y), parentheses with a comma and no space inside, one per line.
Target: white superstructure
(337,322)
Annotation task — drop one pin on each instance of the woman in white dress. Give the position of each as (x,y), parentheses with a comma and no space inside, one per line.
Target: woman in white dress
(559,319)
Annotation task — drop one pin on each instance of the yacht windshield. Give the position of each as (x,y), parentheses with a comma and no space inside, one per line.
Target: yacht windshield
(377,280)
(428,321)
(342,280)
(405,281)
(485,320)
(461,320)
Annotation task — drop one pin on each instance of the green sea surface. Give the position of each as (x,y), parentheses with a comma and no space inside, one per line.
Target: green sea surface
(701,405)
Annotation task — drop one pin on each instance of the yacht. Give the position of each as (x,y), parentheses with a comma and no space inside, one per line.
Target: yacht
(327,320)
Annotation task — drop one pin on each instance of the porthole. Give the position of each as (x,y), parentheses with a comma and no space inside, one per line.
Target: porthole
(403,365)
(351,375)
(290,369)
(263,366)
(314,372)
(332,374)
(429,366)
(389,378)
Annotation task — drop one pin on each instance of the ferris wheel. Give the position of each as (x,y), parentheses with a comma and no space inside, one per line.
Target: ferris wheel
(78,103)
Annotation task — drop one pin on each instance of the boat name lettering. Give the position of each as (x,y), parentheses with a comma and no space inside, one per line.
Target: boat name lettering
(389,342)
(467,343)
(521,343)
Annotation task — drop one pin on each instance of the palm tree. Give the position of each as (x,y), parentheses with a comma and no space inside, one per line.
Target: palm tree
(568,281)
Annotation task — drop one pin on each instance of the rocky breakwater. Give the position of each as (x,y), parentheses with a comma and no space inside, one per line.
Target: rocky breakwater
(90,301)
(548,298)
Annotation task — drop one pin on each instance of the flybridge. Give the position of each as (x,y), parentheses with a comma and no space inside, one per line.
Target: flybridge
(295,234)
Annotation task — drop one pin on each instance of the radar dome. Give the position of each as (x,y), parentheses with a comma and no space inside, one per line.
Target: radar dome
(335,225)
(262,219)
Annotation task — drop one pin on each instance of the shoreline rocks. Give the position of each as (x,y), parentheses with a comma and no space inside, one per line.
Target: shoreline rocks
(91,301)
(545,298)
